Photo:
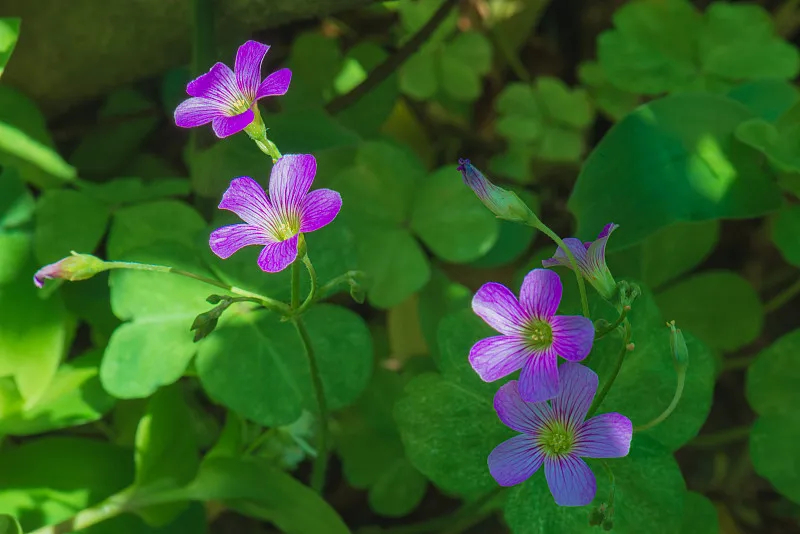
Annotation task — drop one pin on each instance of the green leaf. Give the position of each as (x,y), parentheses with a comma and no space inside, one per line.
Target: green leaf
(153,222)
(774,452)
(649,497)
(447,422)
(8,524)
(122,191)
(50,475)
(9,33)
(676,156)
(513,240)
(378,195)
(16,145)
(68,220)
(699,515)
(264,492)
(115,142)
(784,228)
(515,162)
(651,49)
(768,99)
(74,397)
(548,117)
(417,75)
(166,450)
(16,202)
(154,347)
(439,298)
(415,14)
(614,102)
(256,365)
(372,453)
(304,131)
(646,383)
(772,377)
(315,61)
(667,254)
(34,336)
(16,247)
(463,62)
(371,110)
(721,308)
(212,169)
(740,42)
(450,219)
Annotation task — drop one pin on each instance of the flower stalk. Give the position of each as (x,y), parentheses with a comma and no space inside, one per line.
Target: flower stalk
(627,346)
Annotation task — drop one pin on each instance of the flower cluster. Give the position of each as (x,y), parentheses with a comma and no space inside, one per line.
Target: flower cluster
(548,404)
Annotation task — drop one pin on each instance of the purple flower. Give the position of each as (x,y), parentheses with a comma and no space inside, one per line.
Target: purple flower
(275,222)
(556,435)
(591,260)
(533,335)
(503,203)
(73,268)
(227,99)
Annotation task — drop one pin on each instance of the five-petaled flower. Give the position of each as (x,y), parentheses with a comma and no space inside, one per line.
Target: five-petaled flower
(227,99)
(533,335)
(591,260)
(555,434)
(275,222)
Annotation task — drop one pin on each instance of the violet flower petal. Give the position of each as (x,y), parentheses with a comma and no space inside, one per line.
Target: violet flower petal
(277,256)
(290,180)
(497,305)
(197,112)
(318,209)
(538,380)
(560,258)
(515,460)
(596,253)
(573,336)
(607,435)
(526,417)
(540,294)
(218,84)
(246,198)
(275,84)
(226,126)
(578,386)
(571,481)
(248,67)
(226,240)
(498,356)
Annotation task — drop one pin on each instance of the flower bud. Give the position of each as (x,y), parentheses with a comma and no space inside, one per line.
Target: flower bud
(677,344)
(72,268)
(503,203)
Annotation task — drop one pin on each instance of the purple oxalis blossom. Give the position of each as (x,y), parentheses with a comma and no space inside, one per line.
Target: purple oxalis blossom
(555,434)
(591,260)
(277,221)
(533,335)
(227,99)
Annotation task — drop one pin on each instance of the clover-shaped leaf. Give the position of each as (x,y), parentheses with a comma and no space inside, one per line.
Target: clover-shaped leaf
(9,33)
(548,117)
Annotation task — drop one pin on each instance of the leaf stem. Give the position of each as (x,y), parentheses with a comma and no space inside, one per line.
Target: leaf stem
(393,62)
(111,507)
(295,302)
(723,437)
(672,405)
(783,297)
(536,223)
(598,400)
(267,302)
(613,327)
(312,293)
(321,461)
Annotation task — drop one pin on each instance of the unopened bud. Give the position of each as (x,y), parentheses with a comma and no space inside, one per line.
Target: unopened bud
(677,344)
(72,268)
(503,203)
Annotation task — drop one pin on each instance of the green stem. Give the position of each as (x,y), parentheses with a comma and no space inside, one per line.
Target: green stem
(267,302)
(598,400)
(259,441)
(614,326)
(295,303)
(672,405)
(782,298)
(321,461)
(111,507)
(578,276)
(723,437)
(339,280)
(312,293)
